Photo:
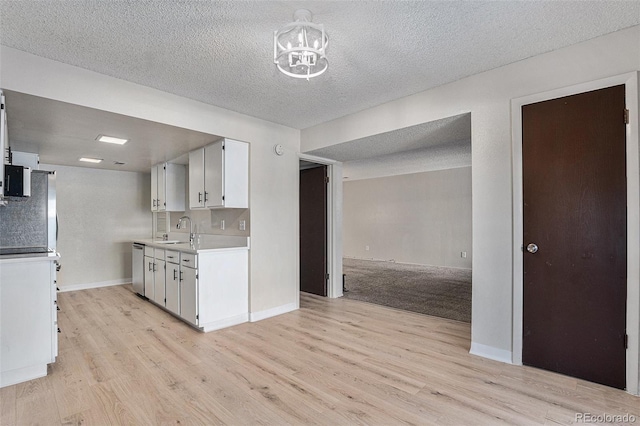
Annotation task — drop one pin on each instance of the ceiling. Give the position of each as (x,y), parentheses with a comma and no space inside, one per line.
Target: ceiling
(435,145)
(220,53)
(61,133)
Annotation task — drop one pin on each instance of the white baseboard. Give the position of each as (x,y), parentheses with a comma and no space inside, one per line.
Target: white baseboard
(86,286)
(227,322)
(491,353)
(268,313)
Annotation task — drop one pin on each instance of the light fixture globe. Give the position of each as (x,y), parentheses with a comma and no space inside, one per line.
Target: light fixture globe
(299,47)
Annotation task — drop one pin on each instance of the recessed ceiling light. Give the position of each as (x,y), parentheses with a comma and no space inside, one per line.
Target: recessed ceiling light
(111,139)
(91,160)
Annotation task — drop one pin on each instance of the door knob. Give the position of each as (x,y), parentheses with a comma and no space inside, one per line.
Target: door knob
(532,248)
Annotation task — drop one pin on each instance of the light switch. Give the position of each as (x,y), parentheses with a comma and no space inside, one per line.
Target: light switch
(242,225)
(222,224)
(463,254)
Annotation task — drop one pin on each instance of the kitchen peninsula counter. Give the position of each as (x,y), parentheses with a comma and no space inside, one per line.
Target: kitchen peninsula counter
(206,284)
(209,244)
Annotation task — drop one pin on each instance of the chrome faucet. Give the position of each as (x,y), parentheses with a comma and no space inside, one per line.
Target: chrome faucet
(180,226)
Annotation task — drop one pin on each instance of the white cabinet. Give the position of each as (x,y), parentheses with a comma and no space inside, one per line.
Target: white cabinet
(196,179)
(28,319)
(219,175)
(208,288)
(159,283)
(168,187)
(154,275)
(172,294)
(189,295)
(215,294)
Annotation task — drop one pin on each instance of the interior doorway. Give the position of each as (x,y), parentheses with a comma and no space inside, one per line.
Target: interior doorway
(632,131)
(575,258)
(314,182)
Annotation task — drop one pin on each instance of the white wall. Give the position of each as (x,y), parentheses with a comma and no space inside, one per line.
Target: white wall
(487,96)
(422,218)
(99,213)
(274,258)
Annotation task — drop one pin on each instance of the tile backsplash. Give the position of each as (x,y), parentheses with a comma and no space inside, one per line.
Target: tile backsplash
(210,221)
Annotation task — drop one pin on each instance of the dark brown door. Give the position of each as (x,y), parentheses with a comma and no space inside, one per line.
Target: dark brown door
(574,169)
(313,230)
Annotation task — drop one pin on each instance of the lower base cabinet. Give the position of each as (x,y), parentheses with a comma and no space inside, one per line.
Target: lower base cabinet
(209,290)
(159,283)
(189,295)
(28,319)
(172,295)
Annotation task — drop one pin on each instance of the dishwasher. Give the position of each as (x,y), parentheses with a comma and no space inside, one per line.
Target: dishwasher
(137,266)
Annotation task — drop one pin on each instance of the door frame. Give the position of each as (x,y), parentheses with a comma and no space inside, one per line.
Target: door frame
(334,224)
(630,80)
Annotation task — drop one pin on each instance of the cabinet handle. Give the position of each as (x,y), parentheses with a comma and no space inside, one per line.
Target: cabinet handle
(186,260)
(205,196)
(150,266)
(199,197)
(154,267)
(154,203)
(175,273)
(181,276)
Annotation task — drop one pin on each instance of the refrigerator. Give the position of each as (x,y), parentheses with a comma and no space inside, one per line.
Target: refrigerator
(28,225)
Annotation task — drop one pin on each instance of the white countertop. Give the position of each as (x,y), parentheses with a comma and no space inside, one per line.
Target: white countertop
(29,257)
(208,244)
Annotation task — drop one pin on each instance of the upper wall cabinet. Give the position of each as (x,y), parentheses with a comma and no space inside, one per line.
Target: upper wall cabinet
(219,176)
(167,187)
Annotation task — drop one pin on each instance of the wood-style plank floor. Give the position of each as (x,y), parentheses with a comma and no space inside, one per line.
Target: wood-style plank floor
(333,362)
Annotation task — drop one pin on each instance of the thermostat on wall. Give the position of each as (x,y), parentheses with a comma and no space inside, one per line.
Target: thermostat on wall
(278,149)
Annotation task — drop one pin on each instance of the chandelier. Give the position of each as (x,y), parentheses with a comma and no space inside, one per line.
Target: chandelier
(299,47)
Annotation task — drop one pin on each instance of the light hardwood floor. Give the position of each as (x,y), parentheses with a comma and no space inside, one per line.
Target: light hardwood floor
(124,361)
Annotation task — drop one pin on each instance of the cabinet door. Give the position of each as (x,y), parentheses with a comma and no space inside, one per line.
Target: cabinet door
(25,315)
(162,187)
(236,174)
(148,277)
(214,174)
(174,187)
(196,179)
(159,282)
(173,288)
(154,188)
(189,295)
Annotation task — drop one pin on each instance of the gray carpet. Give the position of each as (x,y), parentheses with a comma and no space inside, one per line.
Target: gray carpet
(431,290)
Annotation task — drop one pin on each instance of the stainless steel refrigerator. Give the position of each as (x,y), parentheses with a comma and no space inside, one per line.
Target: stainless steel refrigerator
(28,225)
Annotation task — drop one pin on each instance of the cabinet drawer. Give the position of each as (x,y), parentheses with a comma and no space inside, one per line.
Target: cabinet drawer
(159,254)
(172,256)
(148,251)
(190,260)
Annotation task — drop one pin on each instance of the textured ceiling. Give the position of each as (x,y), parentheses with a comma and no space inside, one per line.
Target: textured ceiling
(435,145)
(61,133)
(446,131)
(220,52)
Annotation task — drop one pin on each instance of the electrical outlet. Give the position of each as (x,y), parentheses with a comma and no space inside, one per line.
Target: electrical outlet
(222,225)
(242,226)
(366,248)
(463,254)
